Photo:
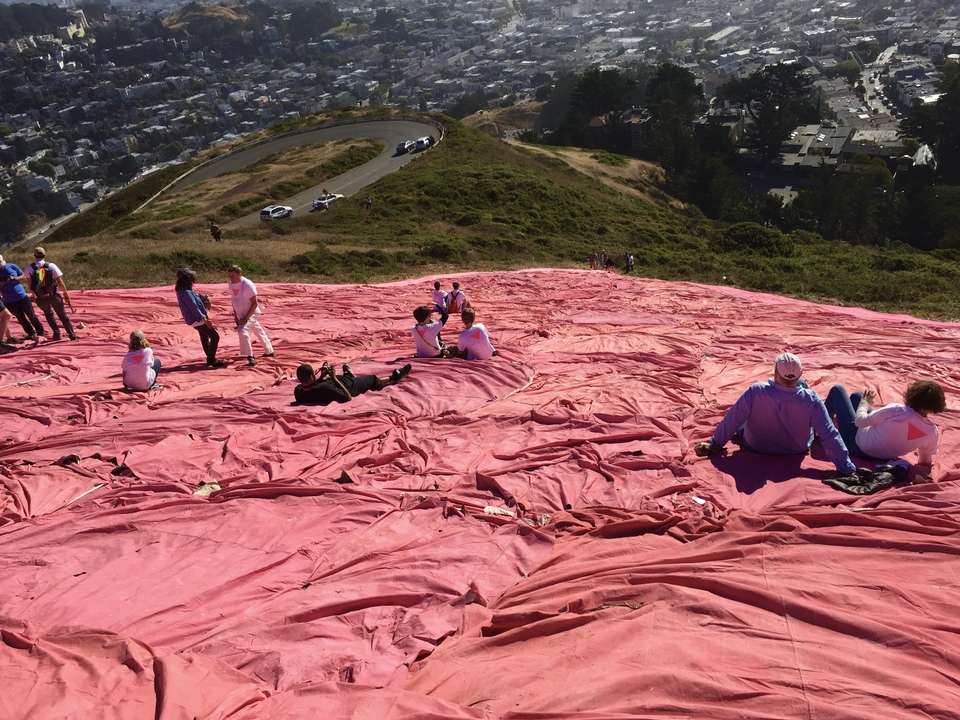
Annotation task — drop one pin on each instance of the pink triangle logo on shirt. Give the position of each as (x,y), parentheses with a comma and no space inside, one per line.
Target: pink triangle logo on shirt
(138,359)
(914,433)
(476,335)
(236,291)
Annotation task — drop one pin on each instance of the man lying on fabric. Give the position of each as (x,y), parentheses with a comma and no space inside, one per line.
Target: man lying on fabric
(779,417)
(326,387)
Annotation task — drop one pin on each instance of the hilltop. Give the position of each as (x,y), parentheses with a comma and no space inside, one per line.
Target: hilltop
(475,202)
(191,18)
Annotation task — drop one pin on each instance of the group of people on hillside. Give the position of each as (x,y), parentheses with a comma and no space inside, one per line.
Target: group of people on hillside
(782,416)
(607,263)
(326,386)
(49,292)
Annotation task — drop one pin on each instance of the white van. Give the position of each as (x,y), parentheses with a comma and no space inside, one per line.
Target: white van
(424,142)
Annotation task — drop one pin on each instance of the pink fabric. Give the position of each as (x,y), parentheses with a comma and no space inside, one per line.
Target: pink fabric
(530,536)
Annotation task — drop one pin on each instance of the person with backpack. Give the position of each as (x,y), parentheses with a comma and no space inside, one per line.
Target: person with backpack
(215,232)
(49,291)
(456,301)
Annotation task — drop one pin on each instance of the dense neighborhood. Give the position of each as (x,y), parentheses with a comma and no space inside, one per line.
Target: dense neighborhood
(83,111)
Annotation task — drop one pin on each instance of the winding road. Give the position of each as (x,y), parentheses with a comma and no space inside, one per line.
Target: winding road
(390,132)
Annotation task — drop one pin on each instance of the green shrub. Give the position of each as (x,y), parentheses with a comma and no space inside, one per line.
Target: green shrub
(755,238)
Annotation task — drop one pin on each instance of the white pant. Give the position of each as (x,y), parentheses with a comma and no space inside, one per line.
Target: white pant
(246,348)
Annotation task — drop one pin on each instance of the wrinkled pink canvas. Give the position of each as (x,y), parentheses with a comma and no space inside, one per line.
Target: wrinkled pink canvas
(527,537)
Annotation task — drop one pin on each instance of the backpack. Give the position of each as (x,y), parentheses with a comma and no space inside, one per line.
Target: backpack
(42,282)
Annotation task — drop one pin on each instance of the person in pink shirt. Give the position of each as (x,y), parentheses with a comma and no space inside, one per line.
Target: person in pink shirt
(139,366)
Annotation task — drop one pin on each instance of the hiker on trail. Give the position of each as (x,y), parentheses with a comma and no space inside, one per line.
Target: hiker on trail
(246,311)
(426,334)
(893,430)
(603,259)
(779,417)
(629,263)
(17,301)
(456,301)
(49,291)
(474,342)
(592,259)
(369,203)
(139,366)
(194,312)
(215,231)
(326,387)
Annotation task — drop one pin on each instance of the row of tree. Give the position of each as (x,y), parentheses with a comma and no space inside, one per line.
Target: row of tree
(857,202)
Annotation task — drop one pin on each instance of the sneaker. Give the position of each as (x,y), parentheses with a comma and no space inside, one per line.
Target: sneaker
(31,336)
(15,341)
(156,387)
(269,354)
(251,361)
(348,371)
(56,338)
(400,373)
(73,337)
(217,363)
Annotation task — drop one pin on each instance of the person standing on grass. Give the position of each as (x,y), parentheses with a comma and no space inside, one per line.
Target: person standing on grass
(592,259)
(246,311)
(17,300)
(195,315)
(215,232)
(49,291)
(369,203)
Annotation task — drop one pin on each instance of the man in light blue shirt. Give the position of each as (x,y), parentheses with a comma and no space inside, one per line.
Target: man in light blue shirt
(779,417)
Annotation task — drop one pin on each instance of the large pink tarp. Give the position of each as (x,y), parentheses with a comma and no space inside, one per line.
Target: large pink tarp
(526,537)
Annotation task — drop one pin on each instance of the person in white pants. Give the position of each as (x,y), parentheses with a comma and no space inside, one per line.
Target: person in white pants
(246,309)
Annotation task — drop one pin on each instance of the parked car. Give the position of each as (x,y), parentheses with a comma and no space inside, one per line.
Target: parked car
(275,212)
(405,147)
(424,142)
(323,202)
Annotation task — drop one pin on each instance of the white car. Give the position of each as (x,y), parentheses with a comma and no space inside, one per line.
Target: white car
(405,147)
(323,202)
(275,212)
(424,142)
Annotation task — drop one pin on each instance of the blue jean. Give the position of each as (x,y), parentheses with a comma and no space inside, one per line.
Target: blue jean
(844,407)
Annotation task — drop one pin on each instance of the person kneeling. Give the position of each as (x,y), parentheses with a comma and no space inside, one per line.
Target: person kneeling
(139,366)
(325,387)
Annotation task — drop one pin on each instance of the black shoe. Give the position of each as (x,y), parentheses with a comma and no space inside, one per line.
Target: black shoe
(56,338)
(269,354)
(16,341)
(216,363)
(400,373)
(72,337)
(251,361)
(31,336)
(348,371)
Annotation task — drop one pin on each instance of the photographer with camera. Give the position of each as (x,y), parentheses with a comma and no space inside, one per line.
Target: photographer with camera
(326,387)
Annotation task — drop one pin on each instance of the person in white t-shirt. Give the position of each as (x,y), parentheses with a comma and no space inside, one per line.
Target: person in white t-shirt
(474,341)
(139,366)
(440,300)
(426,334)
(456,301)
(246,311)
(893,430)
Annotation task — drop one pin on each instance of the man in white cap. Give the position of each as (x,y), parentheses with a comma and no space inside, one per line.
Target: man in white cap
(779,417)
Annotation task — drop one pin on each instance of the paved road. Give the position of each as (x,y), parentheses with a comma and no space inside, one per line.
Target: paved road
(390,132)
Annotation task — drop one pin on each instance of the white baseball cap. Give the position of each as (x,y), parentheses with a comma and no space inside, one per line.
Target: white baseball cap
(788,365)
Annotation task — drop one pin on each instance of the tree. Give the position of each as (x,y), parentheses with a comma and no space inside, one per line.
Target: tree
(308,22)
(938,125)
(776,98)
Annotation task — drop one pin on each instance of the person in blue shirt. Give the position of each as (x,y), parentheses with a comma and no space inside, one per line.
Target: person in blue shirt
(15,297)
(195,315)
(779,417)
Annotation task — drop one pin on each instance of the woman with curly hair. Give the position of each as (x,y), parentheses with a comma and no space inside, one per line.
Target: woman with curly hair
(893,430)
(195,315)
(139,366)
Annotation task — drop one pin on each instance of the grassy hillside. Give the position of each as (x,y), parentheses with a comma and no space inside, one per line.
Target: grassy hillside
(475,202)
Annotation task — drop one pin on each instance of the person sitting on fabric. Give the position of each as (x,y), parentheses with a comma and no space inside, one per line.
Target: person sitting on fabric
(327,387)
(139,366)
(474,342)
(440,300)
(893,430)
(779,417)
(456,301)
(426,334)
